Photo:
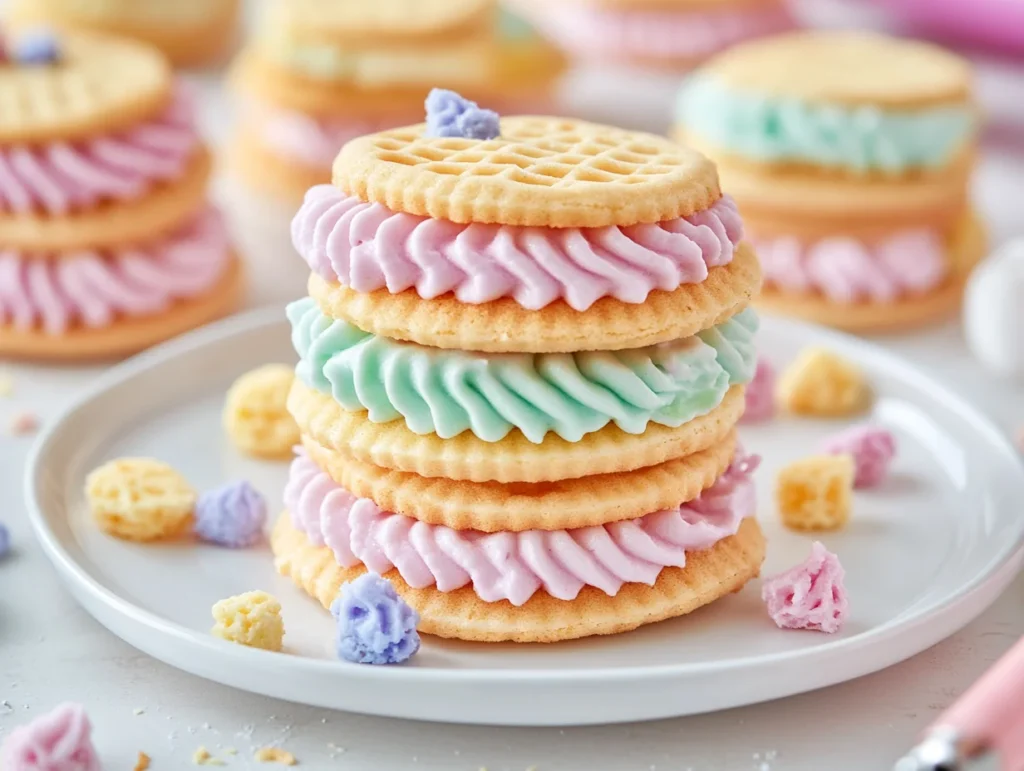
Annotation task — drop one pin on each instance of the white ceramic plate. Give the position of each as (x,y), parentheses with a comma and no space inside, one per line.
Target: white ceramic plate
(924,555)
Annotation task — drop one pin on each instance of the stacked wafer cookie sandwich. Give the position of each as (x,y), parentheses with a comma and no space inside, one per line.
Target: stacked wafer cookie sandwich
(850,155)
(318,73)
(107,242)
(523,359)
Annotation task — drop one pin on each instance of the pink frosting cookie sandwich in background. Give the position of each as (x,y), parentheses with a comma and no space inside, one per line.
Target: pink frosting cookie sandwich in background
(107,242)
(663,33)
(852,172)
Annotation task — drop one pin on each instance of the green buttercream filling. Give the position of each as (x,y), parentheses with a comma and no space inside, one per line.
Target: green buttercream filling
(447,392)
(858,138)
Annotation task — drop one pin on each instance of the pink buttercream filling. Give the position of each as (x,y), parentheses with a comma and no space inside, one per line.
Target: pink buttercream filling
(369,247)
(848,271)
(61,177)
(515,566)
(810,595)
(93,288)
(588,31)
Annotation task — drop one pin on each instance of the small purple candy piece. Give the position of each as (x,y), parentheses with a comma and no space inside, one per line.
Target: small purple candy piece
(761,394)
(872,448)
(450,115)
(38,47)
(232,516)
(5,540)
(375,625)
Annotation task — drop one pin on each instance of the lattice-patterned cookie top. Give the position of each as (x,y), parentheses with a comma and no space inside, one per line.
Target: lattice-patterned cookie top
(541,172)
(373,20)
(101,84)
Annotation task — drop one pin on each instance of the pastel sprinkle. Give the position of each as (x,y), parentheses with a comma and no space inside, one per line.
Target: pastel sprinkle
(375,625)
(810,595)
(23,424)
(872,448)
(5,540)
(232,516)
(61,739)
(451,115)
(40,47)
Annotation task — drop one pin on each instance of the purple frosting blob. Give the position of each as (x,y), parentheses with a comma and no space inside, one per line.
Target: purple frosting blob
(375,625)
(451,115)
(232,516)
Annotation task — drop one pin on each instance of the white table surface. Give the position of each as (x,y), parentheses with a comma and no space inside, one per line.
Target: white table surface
(51,651)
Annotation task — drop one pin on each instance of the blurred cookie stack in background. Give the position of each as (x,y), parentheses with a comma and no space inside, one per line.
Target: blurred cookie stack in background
(850,156)
(189,32)
(107,242)
(318,73)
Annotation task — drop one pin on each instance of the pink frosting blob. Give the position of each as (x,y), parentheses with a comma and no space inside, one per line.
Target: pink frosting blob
(588,31)
(368,247)
(872,448)
(92,289)
(58,741)
(845,270)
(62,177)
(514,566)
(760,394)
(810,595)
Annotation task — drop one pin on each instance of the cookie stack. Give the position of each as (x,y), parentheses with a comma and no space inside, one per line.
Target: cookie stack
(522,361)
(850,156)
(107,243)
(188,32)
(318,73)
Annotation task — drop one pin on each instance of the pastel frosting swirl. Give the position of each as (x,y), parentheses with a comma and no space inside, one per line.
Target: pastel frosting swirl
(57,741)
(368,247)
(62,177)
(94,288)
(515,566)
(859,138)
(846,270)
(447,392)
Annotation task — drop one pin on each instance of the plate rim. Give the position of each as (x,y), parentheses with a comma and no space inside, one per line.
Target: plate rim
(998,568)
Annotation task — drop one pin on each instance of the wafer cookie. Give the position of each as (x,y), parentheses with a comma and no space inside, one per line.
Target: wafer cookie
(493,506)
(514,459)
(709,575)
(505,326)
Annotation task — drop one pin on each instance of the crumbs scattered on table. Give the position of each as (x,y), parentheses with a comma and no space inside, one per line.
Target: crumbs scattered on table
(275,755)
(138,711)
(23,423)
(202,757)
(142,764)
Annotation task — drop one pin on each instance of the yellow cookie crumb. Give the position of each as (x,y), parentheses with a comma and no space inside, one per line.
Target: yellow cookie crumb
(256,417)
(275,755)
(139,499)
(202,757)
(823,383)
(142,764)
(252,619)
(816,493)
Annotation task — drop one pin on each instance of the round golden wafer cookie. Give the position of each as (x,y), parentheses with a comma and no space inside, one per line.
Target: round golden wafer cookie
(815,202)
(514,458)
(185,41)
(846,67)
(708,576)
(128,336)
(492,506)
(541,172)
(375,23)
(505,326)
(969,246)
(102,84)
(160,211)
